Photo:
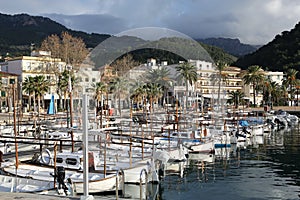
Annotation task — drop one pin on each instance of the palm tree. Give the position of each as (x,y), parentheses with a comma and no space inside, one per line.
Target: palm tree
(272,92)
(100,88)
(119,85)
(291,81)
(275,93)
(189,73)
(160,76)
(297,86)
(253,76)
(28,87)
(139,95)
(41,87)
(132,86)
(284,95)
(62,87)
(154,92)
(1,90)
(220,66)
(236,97)
(36,86)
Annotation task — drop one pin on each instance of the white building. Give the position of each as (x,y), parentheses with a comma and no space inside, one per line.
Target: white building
(275,76)
(41,63)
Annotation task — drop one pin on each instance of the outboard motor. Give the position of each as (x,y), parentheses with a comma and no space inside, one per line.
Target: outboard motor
(61,174)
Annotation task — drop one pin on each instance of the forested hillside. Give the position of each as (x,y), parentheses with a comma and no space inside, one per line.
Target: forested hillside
(20,32)
(278,55)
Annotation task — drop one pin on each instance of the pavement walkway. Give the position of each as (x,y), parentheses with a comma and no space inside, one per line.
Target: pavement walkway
(28,196)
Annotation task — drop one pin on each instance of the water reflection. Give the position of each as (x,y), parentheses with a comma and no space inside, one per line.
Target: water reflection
(267,169)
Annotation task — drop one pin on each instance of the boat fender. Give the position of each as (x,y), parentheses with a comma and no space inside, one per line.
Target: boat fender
(47,162)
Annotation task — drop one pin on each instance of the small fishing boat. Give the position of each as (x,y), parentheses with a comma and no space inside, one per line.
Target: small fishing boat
(18,184)
(97,182)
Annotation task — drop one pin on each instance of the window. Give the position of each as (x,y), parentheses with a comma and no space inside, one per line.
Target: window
(71,161)
(59,160)
(40,66)
(28,66)
(11,81)
(93,79)
(86,79)
(3,94)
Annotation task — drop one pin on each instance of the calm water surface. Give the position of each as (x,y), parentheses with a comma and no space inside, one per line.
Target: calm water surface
(269,169)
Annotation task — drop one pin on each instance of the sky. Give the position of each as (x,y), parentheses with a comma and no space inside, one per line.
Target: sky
(251,21)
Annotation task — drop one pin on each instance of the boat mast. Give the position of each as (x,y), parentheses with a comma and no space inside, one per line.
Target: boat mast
(85,147)
(15,131)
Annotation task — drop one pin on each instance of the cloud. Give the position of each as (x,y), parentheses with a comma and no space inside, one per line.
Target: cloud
(252,21)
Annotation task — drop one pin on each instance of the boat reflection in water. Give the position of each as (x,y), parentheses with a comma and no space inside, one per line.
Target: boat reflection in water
(144,191)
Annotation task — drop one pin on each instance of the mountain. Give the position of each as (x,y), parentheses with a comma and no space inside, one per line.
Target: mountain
(231,46)
(171,49)
(19,31)
(281,53)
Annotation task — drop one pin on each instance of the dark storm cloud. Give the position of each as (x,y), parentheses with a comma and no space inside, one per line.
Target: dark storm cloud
(252,21)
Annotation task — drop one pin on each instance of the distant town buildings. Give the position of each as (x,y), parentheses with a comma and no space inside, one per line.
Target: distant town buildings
(206,87)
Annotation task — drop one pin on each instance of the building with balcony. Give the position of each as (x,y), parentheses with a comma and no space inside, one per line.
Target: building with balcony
(10,91)
(38,63)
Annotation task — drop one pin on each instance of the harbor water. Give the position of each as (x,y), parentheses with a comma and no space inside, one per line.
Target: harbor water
(267,169)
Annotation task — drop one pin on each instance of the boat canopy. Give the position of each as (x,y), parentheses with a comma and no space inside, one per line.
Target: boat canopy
(243,123)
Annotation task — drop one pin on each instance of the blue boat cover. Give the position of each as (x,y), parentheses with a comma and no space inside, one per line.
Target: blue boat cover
(243,123)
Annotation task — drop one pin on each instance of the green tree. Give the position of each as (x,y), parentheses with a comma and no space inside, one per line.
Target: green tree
(37,86)
(41,87)
(160,76)
(236,97)
(100,89)
(297,86)
(28,87)
(221,76)
(138,95)
(290,82)
(189,73)
(275,93)
(119,86)
(63,86)
(153,92)
(253,76)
